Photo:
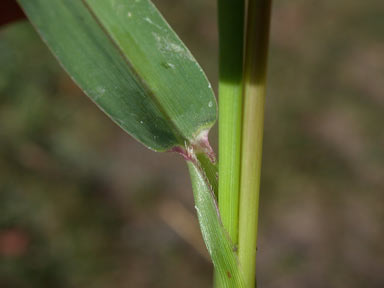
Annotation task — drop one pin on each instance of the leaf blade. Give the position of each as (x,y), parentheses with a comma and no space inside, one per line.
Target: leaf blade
(139,22)
(125,93)
(216,238)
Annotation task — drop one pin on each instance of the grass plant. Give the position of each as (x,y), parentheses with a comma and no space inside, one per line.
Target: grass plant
(129,61)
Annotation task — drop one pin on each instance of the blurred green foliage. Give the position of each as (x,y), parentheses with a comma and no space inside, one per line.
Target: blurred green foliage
(79,199)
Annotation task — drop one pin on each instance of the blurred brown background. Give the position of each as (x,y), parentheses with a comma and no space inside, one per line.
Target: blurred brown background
(83,205)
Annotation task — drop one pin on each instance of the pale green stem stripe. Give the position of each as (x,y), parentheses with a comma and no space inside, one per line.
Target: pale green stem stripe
(231,46)
(230,115)
(252,136)
(231,38)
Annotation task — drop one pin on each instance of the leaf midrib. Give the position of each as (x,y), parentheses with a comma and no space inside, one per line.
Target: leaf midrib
(177,133)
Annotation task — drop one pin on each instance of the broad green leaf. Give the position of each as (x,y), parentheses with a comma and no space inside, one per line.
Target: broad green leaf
(216,238)
(127,59)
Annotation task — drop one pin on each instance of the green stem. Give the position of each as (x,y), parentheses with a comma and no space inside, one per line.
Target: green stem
(257,35)
(231,46)
(231,33)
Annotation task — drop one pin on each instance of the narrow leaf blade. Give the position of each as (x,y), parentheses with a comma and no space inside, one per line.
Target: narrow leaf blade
(215,236)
